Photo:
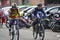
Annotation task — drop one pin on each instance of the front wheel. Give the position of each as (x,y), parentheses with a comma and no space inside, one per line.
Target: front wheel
(42,33)
(11,34)
(35,32)
(14,35)
(35,35)
(18,35)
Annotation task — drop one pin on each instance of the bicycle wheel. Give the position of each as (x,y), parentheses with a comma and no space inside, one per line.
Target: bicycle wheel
(11,34)
(7,24)
(41,32)
(14,36)
(35,32)
(16,33)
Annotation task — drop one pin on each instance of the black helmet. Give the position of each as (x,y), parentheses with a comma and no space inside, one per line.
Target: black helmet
(14,5)
(39,4)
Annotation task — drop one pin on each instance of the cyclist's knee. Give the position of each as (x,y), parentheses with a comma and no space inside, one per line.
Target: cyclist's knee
(18,22)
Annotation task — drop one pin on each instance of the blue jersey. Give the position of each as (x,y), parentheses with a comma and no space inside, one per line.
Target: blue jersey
(36,12)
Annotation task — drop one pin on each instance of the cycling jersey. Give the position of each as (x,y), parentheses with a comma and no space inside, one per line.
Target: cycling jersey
(37,11)
(14,13)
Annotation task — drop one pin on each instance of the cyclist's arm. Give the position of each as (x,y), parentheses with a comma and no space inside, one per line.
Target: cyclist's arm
(9,13)
(19,13)
(44,13)
(33,13)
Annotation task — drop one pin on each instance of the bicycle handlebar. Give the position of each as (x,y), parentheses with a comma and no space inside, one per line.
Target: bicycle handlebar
(12,18)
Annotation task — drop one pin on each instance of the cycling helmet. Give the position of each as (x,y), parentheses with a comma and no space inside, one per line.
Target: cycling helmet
(14,5)
(39,4)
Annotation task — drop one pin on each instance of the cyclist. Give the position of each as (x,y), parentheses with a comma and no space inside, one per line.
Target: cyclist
(35,12)
(13,13)
(2,16)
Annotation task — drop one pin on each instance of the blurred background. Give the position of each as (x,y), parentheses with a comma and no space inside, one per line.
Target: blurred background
(4,3)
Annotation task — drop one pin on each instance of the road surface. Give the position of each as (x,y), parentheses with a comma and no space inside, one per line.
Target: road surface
(26,34)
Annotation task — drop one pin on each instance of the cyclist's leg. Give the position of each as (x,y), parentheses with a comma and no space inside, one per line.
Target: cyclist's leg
(18,22)
(10,24)
(34,24)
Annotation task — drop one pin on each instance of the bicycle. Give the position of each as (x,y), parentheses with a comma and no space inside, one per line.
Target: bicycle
(7,23)
(39,29)
(14,33)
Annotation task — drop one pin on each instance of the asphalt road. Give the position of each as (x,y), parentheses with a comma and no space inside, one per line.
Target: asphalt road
(26,34)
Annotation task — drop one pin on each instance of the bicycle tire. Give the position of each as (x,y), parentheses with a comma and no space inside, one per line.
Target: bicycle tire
(12,35)
(6,23)
(43,32)
(36,36)
(35,33)
(18,36)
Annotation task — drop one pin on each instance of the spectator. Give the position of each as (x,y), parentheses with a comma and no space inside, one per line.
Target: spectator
(1,16)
